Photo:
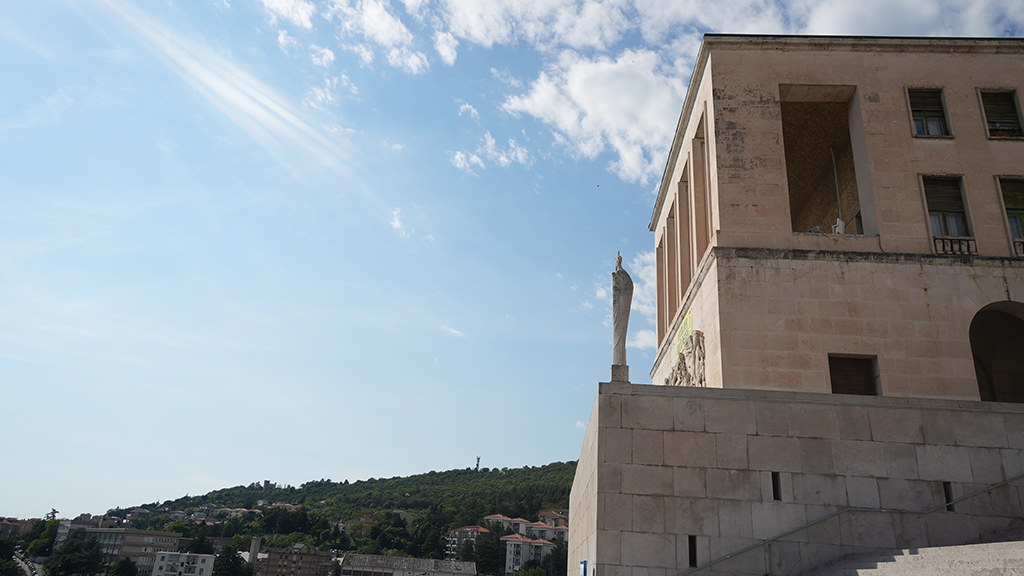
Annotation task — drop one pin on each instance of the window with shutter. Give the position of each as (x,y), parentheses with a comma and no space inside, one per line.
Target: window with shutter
(945,206)
(1001,114)
(1013,199)
(928,112)
(852,376)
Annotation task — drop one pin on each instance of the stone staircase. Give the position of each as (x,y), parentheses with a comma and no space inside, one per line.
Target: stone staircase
(986,559)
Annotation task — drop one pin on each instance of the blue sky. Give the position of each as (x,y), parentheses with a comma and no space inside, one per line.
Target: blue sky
(301,239)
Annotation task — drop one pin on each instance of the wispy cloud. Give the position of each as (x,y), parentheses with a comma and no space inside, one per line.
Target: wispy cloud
(375,21)
(267,116)
(447,47)
(321,56)
(452,331)
(396,223)
(64,101)
(468,109)
(465,162)
(299,12)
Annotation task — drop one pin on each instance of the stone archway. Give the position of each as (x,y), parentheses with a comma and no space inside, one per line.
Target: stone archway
(997,342)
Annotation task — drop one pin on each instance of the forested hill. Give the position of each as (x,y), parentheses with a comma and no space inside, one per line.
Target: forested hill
(438,501)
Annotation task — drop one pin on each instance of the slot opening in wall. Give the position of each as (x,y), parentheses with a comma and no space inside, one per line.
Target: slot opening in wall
(691,543)
(776,487)
(947,493)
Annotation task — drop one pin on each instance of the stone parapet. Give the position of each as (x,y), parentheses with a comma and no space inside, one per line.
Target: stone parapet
(667,470)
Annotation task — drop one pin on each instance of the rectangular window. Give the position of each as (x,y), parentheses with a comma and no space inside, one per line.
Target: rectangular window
(947,492)
(1013,199)
(691,544)
(928,112)
(950,227)
(1001,114)
(852,376)
(945,206)
(776,486)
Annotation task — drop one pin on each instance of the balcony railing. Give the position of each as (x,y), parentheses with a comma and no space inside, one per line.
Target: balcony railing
(955,245)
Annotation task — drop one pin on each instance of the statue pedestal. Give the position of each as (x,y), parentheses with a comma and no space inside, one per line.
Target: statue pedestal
(620,373)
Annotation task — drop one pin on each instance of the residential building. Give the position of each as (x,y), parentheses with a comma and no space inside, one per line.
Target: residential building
(373,565)
(183,564)
(457,538)
(554,517)
(299,560)
(517,525)
(9,530)
(840,314)
(519,550)
(141,546)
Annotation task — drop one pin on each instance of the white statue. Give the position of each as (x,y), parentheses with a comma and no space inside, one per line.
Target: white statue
(622,298)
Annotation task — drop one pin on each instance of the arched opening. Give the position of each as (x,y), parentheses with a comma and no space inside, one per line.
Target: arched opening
(997,342)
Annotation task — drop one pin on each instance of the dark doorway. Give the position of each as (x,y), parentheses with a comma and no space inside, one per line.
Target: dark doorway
(997,342)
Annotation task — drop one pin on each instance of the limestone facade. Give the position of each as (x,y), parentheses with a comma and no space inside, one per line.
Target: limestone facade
(783,135)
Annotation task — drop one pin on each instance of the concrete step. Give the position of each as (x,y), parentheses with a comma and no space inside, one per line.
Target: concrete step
(987,559)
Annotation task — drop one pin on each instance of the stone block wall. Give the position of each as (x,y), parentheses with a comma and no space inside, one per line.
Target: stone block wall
(723,469)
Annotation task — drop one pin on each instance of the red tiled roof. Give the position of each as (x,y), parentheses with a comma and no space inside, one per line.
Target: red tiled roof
(470,529)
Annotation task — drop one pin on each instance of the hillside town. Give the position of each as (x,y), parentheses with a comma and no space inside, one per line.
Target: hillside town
(523,545)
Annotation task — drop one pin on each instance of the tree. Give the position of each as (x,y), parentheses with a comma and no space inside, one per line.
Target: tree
(124,567)
(7,566)
(468,551)
(201,545)
(42,544)
(488,555)
(228,563)
(556,562)
(76,556)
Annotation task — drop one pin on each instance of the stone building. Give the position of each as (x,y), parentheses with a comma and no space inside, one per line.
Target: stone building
(840,268)
(375,565)
(299,560)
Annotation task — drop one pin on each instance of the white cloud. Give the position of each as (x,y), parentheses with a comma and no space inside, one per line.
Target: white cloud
(643,270)
(452,331)
(506,77)
(393,146)
(285,41)
(581,424)
(375,21)
(396,223)
(596,24)
(414,6)
(446,45)
(468,108)
(465,162)
(409,60)
(321,56)
(643,340)
(298,12)
(514,153)
(319,98)
(364,52)
(601,102)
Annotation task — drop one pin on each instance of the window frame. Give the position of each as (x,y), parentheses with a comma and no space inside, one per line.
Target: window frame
(1016,242)
(969,229)
(1014,95)
(947,124)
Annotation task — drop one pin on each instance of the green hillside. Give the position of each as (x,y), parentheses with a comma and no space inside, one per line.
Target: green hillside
(438,501)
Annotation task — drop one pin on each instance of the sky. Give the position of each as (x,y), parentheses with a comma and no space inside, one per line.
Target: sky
(287,240)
